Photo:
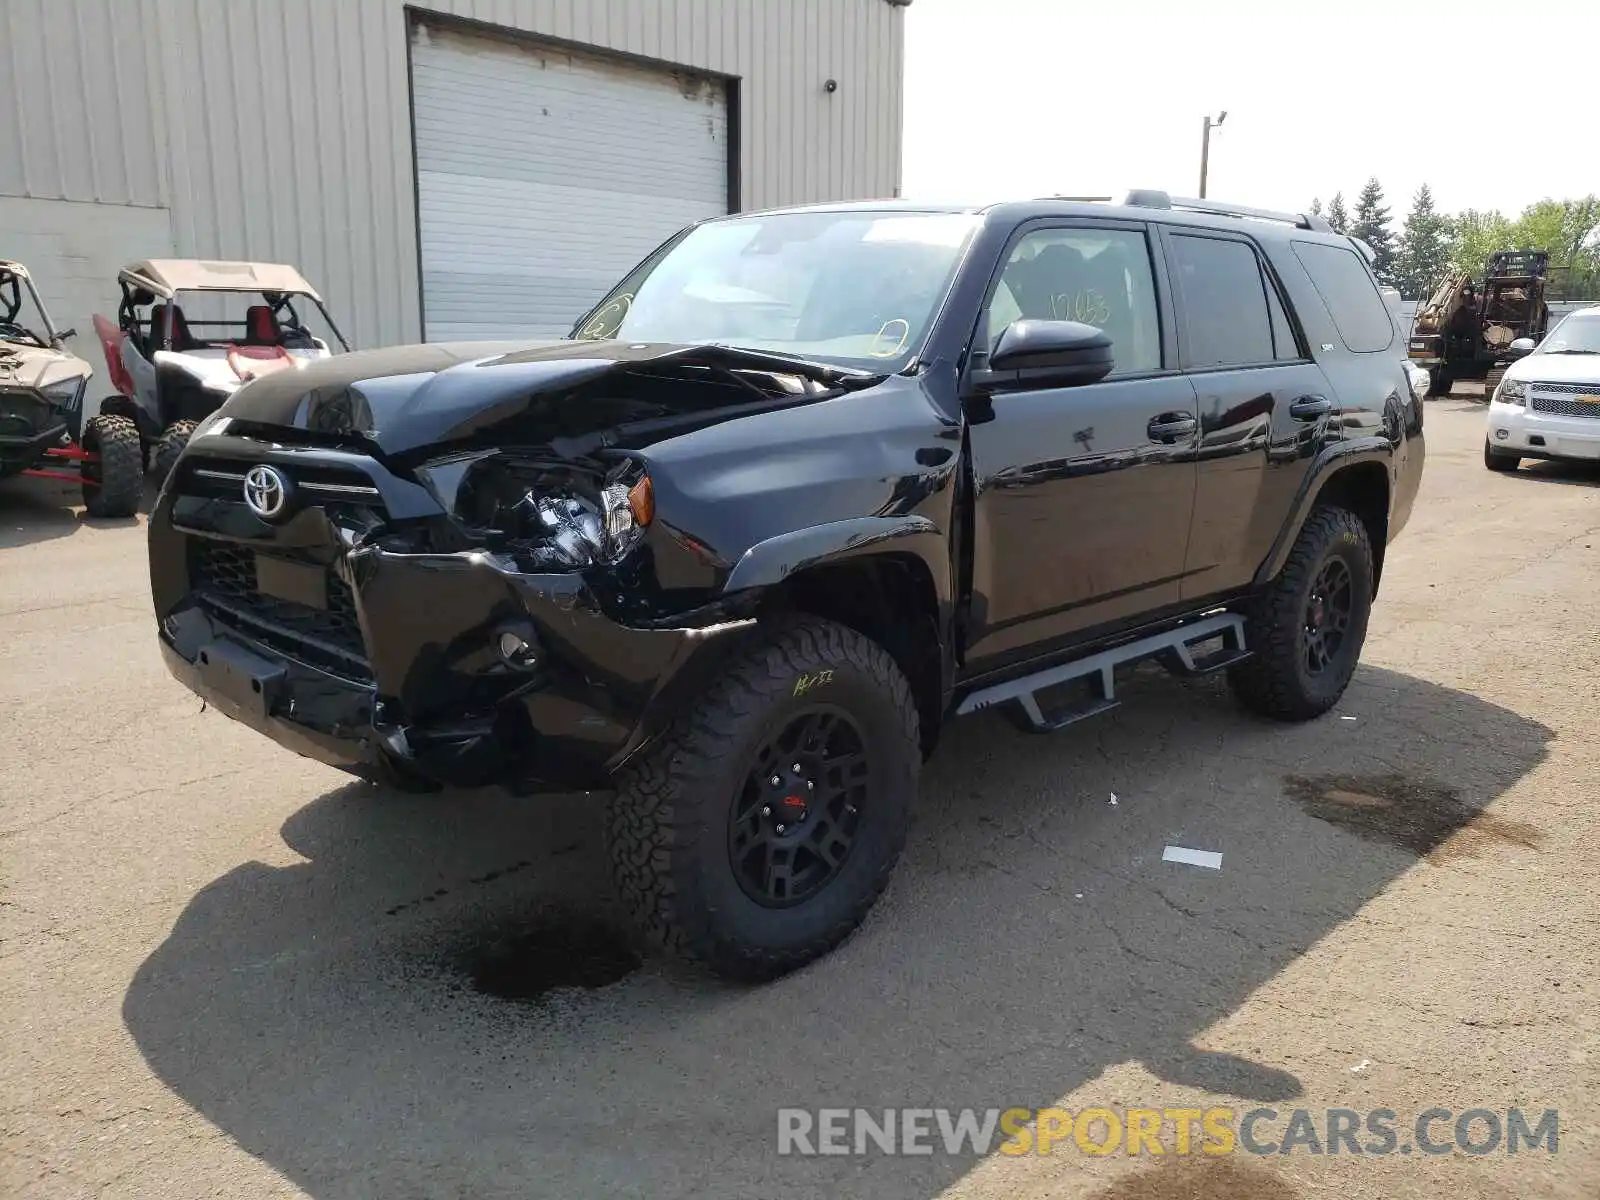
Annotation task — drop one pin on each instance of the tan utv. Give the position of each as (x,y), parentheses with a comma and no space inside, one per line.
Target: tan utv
(191,332)
(45,429)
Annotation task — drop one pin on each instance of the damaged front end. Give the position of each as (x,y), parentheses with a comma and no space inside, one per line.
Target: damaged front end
(491,607)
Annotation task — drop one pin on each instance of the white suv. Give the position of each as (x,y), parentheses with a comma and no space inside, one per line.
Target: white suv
(1548,403)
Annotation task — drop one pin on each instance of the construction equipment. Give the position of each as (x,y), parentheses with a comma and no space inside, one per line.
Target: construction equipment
(1466,328)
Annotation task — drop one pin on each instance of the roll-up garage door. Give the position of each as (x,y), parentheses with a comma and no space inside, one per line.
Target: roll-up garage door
(544,174)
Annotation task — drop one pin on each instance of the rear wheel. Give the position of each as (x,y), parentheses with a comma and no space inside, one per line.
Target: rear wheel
(757,833)
(1500,460)
(1440,381)
(170,446)
(113,484)
(1306,631)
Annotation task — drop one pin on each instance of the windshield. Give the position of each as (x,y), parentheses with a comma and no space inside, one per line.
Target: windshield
(1578,333)
(857,289)
(22,318)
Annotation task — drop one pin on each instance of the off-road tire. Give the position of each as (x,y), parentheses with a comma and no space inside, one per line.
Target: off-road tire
(1492,381)
(1500,460)
(120,471)
(667,827)
(1275,681)
(173,440)
(1440,381)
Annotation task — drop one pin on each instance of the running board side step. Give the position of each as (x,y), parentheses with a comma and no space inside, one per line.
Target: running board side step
(1173,649)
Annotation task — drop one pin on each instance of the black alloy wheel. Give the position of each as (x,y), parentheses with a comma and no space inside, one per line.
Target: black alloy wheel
(1306,628)
(1329,607)
(795,820)
(754,835)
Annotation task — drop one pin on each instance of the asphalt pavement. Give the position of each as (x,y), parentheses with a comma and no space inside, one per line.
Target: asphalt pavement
(229,971)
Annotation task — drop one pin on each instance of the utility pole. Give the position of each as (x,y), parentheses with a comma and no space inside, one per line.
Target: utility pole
(1205,146)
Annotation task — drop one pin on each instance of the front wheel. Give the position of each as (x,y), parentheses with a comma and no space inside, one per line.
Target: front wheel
(1306,631)
(758,832)
(113,480)
(1500,460)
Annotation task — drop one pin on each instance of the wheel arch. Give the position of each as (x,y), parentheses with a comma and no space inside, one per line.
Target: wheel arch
(119,405)
(891,596)
(1359,481)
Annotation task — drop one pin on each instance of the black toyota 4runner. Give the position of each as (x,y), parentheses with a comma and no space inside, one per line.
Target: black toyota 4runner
(804,486)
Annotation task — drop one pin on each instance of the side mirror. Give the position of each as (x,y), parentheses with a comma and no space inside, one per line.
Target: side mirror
(1521,348)
(64,334)
(1039,353)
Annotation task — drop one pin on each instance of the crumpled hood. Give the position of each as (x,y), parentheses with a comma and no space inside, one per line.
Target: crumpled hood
(406,398)
(36,367)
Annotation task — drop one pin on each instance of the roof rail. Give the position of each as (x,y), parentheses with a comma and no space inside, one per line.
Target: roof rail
(1148,198)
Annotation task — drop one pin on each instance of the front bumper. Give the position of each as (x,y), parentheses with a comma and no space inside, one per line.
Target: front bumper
(1535,434)
(29,425)
(422,691)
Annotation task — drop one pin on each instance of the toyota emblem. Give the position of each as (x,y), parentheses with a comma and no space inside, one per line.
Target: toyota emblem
(266,492)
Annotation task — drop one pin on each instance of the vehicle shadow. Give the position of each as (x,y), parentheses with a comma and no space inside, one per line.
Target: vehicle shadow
(1584,474)
(40,510)
(338,1017)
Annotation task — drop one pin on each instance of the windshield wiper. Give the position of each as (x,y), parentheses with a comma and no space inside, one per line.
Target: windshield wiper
(1569,351)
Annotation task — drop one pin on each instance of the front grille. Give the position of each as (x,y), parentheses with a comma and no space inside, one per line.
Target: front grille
(24,414)
(224,578)
(1567,389)
(223,479)
(1566,408)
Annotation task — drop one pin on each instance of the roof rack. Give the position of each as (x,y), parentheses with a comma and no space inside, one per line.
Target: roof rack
(1150,198)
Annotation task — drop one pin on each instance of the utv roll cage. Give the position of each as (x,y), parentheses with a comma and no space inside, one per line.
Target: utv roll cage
(14,278)
(156,284)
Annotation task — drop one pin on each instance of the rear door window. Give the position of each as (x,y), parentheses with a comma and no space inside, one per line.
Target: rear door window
(1352,298)
(1226,321)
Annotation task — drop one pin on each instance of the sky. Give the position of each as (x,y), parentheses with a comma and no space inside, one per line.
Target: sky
(1016,98)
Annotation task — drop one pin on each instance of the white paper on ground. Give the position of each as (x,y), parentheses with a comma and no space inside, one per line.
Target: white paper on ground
(1195,858)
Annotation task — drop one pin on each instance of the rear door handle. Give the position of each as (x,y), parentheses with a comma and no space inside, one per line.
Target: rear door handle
(1306,407)
(1171,427)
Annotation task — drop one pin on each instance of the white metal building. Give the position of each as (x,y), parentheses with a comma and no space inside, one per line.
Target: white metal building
(477,168)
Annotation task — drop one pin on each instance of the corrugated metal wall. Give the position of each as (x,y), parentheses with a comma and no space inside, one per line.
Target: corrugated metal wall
(280,129)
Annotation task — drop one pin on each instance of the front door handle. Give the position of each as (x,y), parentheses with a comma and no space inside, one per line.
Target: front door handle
(1171,427)
(1304,408)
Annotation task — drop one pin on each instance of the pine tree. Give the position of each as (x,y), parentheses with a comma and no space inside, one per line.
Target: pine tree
(1316,207)
(1337,217)
(1424,253)
(1372,227)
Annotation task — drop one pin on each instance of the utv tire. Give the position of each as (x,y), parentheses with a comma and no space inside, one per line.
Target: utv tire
(1440,381)
(170,446)
(752,879)
(1306,631)
(113,486)
(1500,460)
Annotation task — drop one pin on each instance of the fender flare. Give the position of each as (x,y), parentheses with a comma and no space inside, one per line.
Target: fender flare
(772,561)
(1329,463)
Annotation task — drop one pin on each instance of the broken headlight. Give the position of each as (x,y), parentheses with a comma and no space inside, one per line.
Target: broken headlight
(547,515)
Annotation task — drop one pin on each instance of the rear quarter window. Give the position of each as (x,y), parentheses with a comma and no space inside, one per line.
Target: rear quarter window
(1351,297)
